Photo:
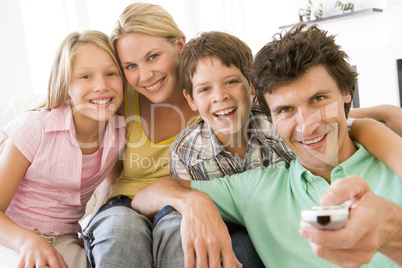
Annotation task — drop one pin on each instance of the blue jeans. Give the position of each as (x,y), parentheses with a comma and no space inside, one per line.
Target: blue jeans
(243,247)
(118,236)
(241,242)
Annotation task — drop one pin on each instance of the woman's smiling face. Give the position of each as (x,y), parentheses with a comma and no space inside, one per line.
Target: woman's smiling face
(150,65)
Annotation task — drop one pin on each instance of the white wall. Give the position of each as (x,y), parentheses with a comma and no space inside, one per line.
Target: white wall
(31,31)
(15,76)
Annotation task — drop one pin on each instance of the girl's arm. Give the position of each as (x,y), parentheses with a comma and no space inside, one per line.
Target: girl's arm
(380,141)
(34,250)
(389,114)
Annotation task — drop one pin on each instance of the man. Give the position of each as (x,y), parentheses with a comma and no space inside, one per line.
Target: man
(305,86)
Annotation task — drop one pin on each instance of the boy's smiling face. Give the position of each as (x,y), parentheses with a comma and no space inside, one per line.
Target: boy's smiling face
(222,96)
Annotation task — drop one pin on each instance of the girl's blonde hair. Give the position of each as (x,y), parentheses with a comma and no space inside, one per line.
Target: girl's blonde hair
(62,68)
(148,19)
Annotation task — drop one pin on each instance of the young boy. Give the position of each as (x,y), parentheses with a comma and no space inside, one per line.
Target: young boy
(233,135)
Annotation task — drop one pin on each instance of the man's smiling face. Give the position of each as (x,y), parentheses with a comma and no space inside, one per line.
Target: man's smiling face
(309,115)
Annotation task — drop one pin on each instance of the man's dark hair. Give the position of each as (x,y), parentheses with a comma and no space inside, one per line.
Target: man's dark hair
(288,57)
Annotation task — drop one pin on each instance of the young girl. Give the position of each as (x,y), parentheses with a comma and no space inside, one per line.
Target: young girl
(56,155)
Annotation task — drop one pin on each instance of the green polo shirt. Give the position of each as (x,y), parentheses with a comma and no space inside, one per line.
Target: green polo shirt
(268,201)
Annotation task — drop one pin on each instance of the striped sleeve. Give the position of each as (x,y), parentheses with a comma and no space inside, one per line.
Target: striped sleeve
(26,132)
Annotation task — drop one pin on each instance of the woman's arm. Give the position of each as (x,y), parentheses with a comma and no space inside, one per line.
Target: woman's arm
(106,185)
(150,199)
(380,141)
(34,250)
(389,114)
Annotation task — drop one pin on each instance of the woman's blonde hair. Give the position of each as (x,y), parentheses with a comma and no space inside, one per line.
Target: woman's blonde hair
(62,68)
(148,19)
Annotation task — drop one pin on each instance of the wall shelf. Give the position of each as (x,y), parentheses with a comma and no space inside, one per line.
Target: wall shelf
(337,17)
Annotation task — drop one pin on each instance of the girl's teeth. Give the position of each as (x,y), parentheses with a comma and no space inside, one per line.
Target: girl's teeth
(313,141)
(101,101)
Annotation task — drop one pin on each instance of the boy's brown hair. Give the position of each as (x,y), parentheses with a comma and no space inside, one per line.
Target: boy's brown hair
(288,57)
(230,50)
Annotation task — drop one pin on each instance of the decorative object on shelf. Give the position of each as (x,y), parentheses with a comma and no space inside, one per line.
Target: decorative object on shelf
(363,12)
(318,12)
(343,7)
(305,12)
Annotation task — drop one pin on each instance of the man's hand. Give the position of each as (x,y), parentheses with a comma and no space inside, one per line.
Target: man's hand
(372,226)
(205,237)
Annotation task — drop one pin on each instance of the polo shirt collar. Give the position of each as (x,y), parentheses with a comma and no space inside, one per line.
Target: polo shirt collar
(356,163)
(353,165)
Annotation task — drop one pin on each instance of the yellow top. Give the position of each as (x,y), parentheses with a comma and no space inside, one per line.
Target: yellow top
(144,161)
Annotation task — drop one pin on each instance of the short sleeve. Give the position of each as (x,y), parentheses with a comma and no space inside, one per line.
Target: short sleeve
(220,191)
(236,195)
(26,131)
(233,194)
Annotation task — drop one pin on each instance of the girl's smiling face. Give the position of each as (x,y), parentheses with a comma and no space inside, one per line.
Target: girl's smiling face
(96,89)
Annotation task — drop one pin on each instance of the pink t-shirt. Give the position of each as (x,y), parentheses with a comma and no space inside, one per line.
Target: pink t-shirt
(52,196)
(91,165)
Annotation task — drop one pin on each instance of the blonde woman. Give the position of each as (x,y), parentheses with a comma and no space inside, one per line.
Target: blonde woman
(148,43)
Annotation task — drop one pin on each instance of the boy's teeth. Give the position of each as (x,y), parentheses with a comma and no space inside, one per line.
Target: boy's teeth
(224,112)
(313,141)
(154,86)
(101,101)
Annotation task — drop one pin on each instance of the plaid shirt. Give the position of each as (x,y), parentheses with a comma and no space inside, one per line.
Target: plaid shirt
(197,154)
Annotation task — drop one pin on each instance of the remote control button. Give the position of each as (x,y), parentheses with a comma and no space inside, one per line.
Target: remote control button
(323,220)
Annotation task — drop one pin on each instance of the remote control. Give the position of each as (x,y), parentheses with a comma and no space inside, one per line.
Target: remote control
(326,217)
